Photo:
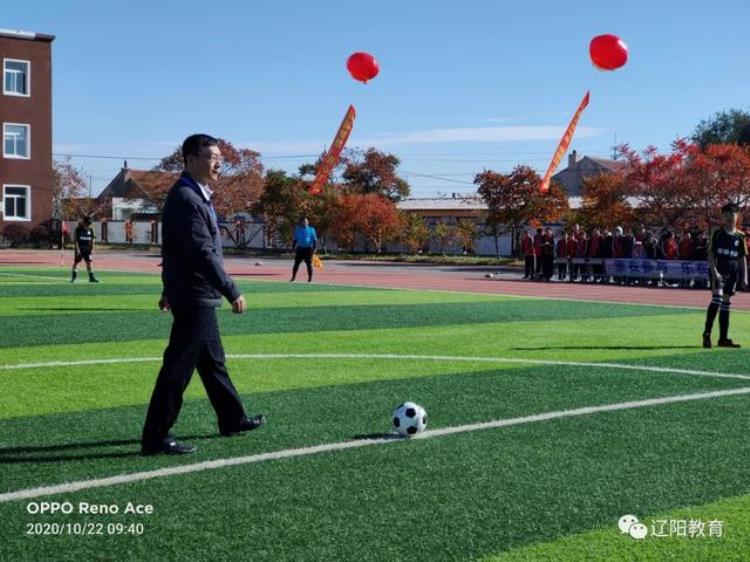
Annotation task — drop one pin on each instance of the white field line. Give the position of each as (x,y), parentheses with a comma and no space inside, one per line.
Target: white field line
(34,276)
(394,357)
(76,486)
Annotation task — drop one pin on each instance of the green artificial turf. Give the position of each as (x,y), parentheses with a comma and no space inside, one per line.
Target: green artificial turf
(550,490)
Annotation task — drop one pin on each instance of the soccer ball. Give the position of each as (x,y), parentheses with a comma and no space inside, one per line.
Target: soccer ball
(409,419)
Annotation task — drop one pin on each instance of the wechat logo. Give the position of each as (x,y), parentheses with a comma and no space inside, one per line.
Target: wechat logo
(630,525)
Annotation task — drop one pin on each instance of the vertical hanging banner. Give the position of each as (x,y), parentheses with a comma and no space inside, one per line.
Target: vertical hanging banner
(562,148)
(331,157)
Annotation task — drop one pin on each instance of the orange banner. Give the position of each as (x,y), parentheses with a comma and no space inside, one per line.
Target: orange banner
(562,148)
(331,157)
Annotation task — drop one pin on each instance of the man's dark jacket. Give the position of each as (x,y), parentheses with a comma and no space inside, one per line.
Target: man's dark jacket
(193,265)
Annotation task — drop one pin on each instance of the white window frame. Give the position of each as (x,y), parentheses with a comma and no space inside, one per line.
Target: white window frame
(28,79)
(27,218)
(28,141)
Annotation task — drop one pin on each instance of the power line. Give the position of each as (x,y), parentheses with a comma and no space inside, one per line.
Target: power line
(153,158)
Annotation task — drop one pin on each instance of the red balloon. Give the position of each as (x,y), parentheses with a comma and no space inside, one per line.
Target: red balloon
(362,66)
(608,52)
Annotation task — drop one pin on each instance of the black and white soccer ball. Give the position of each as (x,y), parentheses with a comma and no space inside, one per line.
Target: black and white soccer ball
(409,419)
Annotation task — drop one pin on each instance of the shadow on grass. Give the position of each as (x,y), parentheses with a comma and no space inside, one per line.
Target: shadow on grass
(36,454)
(88,309)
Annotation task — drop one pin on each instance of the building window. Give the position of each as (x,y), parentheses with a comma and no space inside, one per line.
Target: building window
(16,75)
(16,140)
(16,203)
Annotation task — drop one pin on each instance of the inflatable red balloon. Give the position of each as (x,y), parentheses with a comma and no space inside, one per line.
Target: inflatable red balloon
(608,52)
(362,66)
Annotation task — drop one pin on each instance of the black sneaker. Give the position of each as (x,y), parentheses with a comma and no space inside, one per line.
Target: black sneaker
(73,277)
(727,343)
(93,279)
(169,448)
(707,341)
(248,424)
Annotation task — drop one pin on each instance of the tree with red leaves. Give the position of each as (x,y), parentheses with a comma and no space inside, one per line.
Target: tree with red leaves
(514,200)
(688,185)
(369,215)
(605,201)
(238,187)
(373,171)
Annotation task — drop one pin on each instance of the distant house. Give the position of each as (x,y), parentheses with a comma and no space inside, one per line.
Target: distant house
(571,178)
(128,192)
(445,209)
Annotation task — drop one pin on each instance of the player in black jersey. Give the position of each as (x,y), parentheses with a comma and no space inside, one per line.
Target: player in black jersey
(728,270)
(84,246)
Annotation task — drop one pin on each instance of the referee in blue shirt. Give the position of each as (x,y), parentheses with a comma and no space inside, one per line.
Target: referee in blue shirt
(303,244)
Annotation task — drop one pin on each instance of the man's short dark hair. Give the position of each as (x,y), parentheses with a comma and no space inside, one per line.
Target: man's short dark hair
(194,144)
(730,208)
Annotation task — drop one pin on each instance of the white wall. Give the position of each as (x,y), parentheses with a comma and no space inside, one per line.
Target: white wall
(255,236)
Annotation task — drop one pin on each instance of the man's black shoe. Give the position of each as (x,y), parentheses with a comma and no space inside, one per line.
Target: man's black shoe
(727,343)
(248,424)
(707,341)
(169,448)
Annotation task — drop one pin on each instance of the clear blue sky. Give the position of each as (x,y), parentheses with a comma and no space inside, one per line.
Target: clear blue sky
(463,85)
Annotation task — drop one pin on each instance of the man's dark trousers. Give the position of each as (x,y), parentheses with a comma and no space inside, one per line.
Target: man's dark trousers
(194,342)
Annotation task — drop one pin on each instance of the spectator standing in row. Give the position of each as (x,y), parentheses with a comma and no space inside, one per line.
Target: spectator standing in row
(685,249)
(548,254)
(595,246)
(562,256)
(538,251)
(572,250)
(582,255)
(527,248)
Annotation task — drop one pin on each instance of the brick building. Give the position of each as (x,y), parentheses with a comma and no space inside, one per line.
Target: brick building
(26,176)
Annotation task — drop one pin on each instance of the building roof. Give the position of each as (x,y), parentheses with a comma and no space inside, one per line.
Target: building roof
(443,204)
(611,165)
(127,183)
(27,35)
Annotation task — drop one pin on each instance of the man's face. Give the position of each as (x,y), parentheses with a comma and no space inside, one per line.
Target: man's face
(207,165)
(729,218)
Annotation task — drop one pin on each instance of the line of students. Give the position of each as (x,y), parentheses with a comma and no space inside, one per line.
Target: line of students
(542,249)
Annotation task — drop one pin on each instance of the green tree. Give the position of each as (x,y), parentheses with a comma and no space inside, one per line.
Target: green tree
(322,210)
(466,234)
(445,235)
(724,127)
(415,233)
(283,200)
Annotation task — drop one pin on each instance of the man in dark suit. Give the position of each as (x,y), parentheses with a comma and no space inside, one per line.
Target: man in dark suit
(194,284)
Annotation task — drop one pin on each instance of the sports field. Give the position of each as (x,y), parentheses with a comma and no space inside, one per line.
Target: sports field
(548,421)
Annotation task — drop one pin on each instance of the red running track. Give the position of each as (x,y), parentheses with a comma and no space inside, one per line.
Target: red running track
(390,275)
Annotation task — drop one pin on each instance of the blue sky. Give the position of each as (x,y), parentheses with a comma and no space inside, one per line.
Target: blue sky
(464,86)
